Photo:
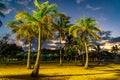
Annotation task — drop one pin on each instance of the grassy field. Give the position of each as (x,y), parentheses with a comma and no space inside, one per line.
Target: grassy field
(65,72)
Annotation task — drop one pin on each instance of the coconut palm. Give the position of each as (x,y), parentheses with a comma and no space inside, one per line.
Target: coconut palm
(23,31)
(2,6)
(42,21)
(61,24)
(85,28)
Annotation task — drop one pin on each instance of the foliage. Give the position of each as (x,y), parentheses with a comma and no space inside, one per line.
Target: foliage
(23,30)
(2,6)
(41,20)
(61,25)
(85,29)
(6,48)
(115,49)
(9,49)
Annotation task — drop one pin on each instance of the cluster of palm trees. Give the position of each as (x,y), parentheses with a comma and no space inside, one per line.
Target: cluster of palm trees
(42,24)
(115,49)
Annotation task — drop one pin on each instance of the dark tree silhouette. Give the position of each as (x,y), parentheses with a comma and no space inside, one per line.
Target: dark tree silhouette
(2,6)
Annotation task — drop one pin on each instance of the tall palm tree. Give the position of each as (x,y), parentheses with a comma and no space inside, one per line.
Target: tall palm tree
(2,6)
(61,24)
(85,28)
(42,21)
(23,31)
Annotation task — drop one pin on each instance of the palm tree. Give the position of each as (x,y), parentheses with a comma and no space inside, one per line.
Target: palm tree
(85,28)
(42,21)
(115,49)
(23,30)
(81,48)
(2,6)
(61,23)
(98,50)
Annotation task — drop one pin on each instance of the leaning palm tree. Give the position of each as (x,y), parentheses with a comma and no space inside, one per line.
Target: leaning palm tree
(2,6)
(85,28)
(38,19)
(23,31)
(61,24)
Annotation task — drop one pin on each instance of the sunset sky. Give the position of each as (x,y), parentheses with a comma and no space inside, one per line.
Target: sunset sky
(106,12)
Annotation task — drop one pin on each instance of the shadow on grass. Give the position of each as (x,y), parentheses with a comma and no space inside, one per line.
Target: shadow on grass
(101,65)
(117,74)
(98,65)
(117,71)
(43,77)
(28,77)
(106,79)
(113,71)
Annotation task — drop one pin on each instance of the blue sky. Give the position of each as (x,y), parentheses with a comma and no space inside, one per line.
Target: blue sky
(106,12)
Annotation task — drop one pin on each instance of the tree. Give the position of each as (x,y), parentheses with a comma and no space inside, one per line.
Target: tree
(3,41)
(7,48)
(72,45)
(23,30)
(85,28)
(81,48)
(68,46)
(61,23)
(115,49)
(42,21)
(2,6)
(96,52)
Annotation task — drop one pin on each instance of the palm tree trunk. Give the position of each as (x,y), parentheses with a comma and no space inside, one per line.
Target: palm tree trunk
(98,53)
(86,50)
(75,58)
(35,72)
(28,59)
(60,50)
(83,58)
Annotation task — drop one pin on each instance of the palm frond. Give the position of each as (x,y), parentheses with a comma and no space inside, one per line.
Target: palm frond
(24,16)
(2,14)
(2,6)
(0,23)
(13,24)
(40,6)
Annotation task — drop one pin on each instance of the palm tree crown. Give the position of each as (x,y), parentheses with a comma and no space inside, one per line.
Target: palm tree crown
(85,28)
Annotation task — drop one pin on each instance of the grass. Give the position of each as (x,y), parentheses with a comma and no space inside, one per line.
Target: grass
(64,72)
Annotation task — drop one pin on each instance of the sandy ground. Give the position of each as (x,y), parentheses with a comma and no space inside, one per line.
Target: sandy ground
(65,72)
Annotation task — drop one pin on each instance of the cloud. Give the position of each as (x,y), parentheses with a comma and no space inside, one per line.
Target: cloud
(19,43)
(7,11)
(29,8)
(102,18)
(79,1)
(23,2)
(9,0)
(92,8)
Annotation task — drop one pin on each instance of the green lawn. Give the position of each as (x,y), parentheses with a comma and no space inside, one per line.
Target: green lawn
(65,72)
